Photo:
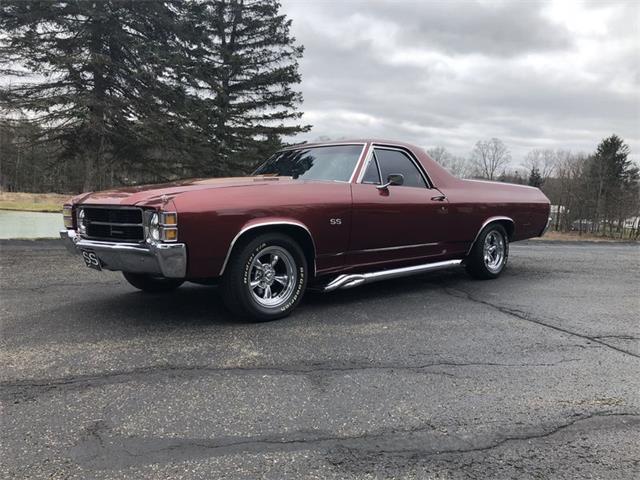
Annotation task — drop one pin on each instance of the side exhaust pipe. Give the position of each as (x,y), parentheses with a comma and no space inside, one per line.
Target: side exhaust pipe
(356,279)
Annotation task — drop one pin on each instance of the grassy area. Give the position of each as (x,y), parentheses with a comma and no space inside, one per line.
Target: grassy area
(573,237)
(32,202)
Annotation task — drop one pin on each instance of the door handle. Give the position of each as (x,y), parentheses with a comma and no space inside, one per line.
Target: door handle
(439,198)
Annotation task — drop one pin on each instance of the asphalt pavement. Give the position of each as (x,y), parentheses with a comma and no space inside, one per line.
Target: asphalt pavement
(533,375)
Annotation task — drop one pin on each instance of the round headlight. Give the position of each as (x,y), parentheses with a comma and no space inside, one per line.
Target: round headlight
(81,226)
(154,227)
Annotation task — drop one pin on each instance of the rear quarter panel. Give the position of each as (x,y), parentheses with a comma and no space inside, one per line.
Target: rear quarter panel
(474,202)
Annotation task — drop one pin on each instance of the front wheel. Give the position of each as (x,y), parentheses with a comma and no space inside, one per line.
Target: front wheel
(266,277)
(489,254)
(152,284)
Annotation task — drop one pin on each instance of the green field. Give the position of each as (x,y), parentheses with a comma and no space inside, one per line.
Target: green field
(32,202)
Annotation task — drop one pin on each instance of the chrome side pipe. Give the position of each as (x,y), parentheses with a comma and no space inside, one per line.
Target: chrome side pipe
(356,279)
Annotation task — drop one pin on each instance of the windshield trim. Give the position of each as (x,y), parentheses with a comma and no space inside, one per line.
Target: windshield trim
(324,145)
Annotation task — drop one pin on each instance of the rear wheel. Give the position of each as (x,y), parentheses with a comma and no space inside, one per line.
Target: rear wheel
(152,284)
(265,278)
(489,254)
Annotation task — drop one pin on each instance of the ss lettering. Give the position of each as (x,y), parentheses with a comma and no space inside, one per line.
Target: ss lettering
(335,221)
(90,258)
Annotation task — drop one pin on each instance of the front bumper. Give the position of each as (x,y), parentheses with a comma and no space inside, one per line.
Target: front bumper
(166,259)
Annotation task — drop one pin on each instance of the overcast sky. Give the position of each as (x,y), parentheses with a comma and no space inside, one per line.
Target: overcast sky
(554,74)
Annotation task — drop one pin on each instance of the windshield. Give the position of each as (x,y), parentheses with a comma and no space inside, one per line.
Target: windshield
(314,163)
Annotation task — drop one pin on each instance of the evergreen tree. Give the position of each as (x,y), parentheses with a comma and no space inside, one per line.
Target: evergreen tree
(243,68)
(95,78)
(535,178)
(612,180)
(148,90)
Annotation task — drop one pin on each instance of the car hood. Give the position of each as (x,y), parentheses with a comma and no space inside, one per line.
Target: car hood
(153,195)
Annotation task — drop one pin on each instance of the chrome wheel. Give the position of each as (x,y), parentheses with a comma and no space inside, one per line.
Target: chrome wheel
(494,251)
(272,277)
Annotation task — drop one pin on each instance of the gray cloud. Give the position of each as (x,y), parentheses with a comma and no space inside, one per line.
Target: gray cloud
(492,28)
(450,73)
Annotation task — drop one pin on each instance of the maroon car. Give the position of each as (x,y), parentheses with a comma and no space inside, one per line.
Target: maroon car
(323,216)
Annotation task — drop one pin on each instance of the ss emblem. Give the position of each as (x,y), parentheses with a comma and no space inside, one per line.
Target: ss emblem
(335,221)
(90,257)
(91,260)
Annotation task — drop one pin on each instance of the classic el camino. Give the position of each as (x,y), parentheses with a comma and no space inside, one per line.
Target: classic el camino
(325,216)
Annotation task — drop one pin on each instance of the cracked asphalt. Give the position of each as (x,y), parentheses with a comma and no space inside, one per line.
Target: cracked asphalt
(533,375)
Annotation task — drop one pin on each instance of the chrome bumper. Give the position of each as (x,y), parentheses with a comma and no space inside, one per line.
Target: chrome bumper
(166,259)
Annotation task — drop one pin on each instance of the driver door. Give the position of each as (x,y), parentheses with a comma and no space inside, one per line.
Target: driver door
(401,222)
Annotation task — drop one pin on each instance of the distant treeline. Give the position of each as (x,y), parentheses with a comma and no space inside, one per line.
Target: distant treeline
(33,166)
(597,193)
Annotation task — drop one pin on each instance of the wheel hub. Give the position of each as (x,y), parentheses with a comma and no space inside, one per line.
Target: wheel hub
(267,275)
(272,276)
(494,251)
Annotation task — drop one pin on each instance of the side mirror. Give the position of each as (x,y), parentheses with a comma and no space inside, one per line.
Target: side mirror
(393,179)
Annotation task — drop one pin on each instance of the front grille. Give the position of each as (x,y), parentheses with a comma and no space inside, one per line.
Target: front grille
(113,215)
(119,224)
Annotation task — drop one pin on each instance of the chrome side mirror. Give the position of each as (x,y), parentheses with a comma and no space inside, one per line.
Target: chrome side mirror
(393,179)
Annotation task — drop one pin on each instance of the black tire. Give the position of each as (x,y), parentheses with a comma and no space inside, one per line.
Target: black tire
(475,262)
(151,284)
(285,278)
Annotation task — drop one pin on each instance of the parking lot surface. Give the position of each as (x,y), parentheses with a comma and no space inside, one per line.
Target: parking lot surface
(532,375)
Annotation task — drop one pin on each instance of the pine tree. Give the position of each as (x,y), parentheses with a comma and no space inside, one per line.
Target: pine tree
(243,68)
(535,178)
(95,78)
(612,181)
(149,90)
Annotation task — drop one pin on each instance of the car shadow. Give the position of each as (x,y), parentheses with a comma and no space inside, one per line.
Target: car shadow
(123,311)
(189,305)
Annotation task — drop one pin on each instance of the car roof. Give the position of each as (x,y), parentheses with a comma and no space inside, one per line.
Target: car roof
(350,141)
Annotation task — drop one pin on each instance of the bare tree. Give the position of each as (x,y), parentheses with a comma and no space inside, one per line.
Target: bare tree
(490,158)
(458,166)
(544,161)
(440,154)
(566,190)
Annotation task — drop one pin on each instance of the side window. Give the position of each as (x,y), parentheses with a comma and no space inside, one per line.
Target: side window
(371,174)
(394,161)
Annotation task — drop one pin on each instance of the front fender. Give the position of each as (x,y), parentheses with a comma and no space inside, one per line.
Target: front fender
(265,223)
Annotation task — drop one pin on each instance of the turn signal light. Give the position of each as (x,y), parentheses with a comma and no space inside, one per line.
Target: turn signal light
(170,219)
(169,234)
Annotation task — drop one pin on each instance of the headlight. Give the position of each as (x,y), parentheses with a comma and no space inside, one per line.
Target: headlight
(154,228)
(67,216)
(163,227)
(82,229)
